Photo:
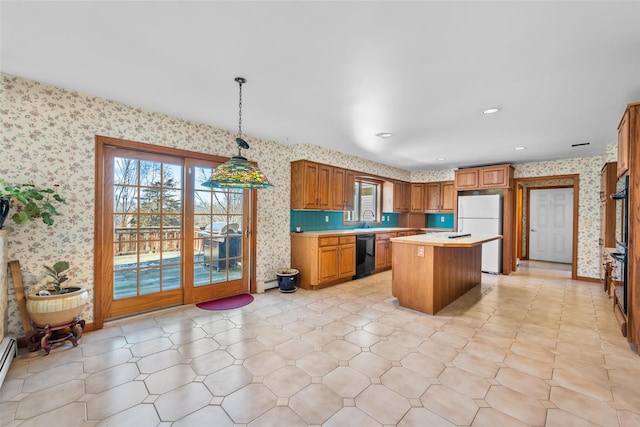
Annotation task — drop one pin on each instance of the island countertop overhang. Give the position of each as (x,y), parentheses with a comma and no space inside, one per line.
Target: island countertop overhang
(443,240)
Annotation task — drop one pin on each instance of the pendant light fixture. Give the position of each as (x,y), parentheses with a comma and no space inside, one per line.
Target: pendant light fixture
(237,172)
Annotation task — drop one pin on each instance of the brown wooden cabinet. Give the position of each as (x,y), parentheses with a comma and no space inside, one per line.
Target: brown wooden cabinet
(623,144)
(401,196)
(607,239)
(310,185)
(439,196)
(417,198)
(447,196)
(338,177)
(323,261)
(498,176)
(383,250)
(342,189)
(347,257)
(432,196)
(466,179)
(318,186)
(629,160)
(328,263)
(336,258)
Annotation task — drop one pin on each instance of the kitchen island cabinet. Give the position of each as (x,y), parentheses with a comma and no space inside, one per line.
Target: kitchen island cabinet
(430,271)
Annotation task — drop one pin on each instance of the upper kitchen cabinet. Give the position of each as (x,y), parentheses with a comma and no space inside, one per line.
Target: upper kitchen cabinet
(623,143)
(447,196)
(499,176)
(496,176)
(417,198)
(466,179)
(401,196)
(342,189)
(310,185)
(322,187)
(439,196)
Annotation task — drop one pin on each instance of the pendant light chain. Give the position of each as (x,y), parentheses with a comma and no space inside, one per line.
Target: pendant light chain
(240,81)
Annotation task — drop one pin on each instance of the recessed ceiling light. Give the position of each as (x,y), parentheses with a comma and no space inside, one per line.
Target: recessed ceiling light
(520,148)
(491,110)
(439,159)
(384,135)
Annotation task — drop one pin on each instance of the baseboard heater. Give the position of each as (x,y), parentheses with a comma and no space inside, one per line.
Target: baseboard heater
(270,284)
(8,350)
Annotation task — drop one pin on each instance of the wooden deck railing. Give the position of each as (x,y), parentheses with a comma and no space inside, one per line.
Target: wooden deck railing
(127,241)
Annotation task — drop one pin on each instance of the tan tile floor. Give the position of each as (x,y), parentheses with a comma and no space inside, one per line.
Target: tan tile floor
(530,349)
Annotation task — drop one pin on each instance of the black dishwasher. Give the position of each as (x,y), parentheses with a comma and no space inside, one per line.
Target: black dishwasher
(365,255)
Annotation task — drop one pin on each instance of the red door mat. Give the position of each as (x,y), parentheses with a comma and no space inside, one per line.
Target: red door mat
(226,303)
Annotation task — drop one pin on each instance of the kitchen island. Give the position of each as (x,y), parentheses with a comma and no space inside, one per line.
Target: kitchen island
(430,271)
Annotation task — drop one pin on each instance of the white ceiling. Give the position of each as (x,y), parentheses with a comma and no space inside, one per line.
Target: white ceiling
(336,73)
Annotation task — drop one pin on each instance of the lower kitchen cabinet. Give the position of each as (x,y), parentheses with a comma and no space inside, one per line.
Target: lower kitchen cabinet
(383,250)
(323,261)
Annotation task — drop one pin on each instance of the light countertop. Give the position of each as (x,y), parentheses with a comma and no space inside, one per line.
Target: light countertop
(353,231)
(442,239)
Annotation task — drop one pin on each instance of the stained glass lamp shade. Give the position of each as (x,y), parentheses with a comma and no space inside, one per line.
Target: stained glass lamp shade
(237,172)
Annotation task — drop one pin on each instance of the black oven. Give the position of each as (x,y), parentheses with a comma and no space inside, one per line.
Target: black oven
(622,238)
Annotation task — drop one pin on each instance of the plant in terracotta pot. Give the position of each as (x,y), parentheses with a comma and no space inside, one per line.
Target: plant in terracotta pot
(54,305)
(29,201)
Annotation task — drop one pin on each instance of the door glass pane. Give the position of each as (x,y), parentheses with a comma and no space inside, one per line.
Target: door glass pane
(149,281)
(147,206)
(218,219)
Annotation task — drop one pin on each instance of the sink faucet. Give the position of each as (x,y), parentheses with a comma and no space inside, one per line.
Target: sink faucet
(364,222)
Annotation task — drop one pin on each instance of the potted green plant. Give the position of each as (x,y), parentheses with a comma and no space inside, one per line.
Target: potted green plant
(51,304)
(30,202)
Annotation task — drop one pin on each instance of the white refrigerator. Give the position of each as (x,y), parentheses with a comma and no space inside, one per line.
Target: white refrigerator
(482,214)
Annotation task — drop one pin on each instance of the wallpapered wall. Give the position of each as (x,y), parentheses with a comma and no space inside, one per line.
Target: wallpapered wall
(48,137)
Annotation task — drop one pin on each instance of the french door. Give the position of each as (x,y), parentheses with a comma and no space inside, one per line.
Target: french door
(165,239)
(220,228)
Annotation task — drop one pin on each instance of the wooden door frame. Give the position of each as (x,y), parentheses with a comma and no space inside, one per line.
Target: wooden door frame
(576,200)
(101,142)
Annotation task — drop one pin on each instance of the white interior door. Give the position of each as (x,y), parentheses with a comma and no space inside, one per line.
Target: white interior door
(551,224)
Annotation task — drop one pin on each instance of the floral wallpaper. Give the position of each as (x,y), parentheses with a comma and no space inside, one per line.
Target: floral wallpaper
(48,137)
(433,176)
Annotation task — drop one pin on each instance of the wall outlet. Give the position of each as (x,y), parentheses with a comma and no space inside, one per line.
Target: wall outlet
(326,218)
(441,219)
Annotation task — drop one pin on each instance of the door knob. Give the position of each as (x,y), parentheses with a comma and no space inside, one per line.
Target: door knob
(533,230)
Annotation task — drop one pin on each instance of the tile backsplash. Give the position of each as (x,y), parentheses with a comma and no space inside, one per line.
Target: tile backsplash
(440,220)
(332,220)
